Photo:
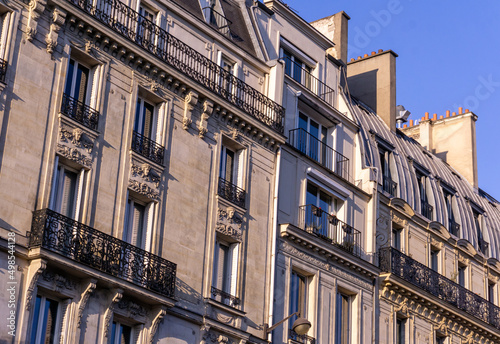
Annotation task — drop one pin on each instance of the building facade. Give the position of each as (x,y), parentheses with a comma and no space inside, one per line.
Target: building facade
(194,171)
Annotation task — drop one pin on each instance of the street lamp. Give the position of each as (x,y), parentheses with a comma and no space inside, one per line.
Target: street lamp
(300,325)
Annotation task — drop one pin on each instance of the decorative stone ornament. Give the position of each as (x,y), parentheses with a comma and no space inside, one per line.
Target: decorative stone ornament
(57,20)
(144,180)
(74,144)
(208,108)
(35,8)
(229,223)
(190,101)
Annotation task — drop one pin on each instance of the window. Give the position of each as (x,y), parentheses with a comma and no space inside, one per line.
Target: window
(298,296)
(214,15)
(400,331)
(296,68)
(434,259)
(441,339)
(426,208)
(138,223)
(224,283)
(145,28)
(45,320)
(453,227)
(67,190)
(5,21)
(145,119)
(77,82)
(482,244)
(319,209)
(388,185)
(226,81)
(120,334)
(231,171)
(343,319)
(312,139)
(491,291)
(462,275)
(397,238)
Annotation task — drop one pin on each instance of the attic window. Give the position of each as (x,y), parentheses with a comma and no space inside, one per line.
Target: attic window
(214,15)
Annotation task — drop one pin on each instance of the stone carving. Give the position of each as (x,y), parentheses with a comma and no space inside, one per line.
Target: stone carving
(74,154)
(144,180)
(224,318)
(57,20)
(84,299)
(76,145)
(117,296)
(144,189)
(189,102)
(288,248)
(145,173)
(383,236)
(131,308)
(35,8)
(208,108)
(35,269)
(403,308)
(156,323)
(229,223)
(398,220)
(59,282)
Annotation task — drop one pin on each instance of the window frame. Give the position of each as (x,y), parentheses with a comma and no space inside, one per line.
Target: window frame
(232,268)
(36,331)
(345,319)
(401,330)
(140,116)
(435,259)
(462,275)
(148,221)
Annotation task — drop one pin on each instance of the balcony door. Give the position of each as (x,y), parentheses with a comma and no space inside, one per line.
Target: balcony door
(146,26)
(318,214)
(77,82)
(144,123)
(67,189)
(312,138)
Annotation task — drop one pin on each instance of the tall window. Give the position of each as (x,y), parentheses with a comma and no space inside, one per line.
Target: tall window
(453,227)
(225,272)
(226,78)
(388,185)
(298,296)
(5,17)
(297,69)
(426,208)
(138,222)
(312,139)
(400,331)
(77,82)
(441,339)
(482,244)
(145,119)
(397,238)
(320,206)
(434,259)
(145,29)
(67,190)
(491,291)
(120,334)
(43,328)
(343,319)
(462,275)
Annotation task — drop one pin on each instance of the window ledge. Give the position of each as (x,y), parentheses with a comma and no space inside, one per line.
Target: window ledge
(231,310)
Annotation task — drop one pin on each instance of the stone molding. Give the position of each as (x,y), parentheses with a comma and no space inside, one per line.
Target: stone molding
(57,20)
(229,223)
(145,180)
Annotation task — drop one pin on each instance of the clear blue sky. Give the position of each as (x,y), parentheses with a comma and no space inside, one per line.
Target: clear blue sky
(449,56)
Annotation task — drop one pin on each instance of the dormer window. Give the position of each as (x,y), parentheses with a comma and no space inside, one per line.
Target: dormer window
(214,15)
(481,242)
(449,199)
(426,209)
(297,69)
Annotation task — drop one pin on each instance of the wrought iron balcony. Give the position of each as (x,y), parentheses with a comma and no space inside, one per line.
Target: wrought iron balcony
(411,271)
(86,245)
(80,112)
(301,338)
(179,55)
(389,185)
(225,298)
(218,20)
(3,70)
(427,209)
(454,228)
(313,84)
(231,192)
(319,151)
(147,148)
(329,228)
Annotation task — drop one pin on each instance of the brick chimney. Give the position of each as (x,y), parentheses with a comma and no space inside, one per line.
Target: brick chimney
(451,138)
(372,79)
(334,28)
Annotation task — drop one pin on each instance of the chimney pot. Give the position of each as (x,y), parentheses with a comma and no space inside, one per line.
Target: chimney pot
(454,113)
(441,117)
(373,53)
(381,51)
(352,59)
(447,113)
(434,117)
(426,115)
(404,125)
(460,109)
(467,110)
(359,57)
(411,123)
(365,55)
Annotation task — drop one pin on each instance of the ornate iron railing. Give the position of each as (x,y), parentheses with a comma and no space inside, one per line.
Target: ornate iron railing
(231,192)
(218,20)
(319,151)
(427,209)
(313,84)
(408,269)
(225,298)
(147,148)
(80,112)
(454,228)
(301,338)
(103,252)
(329,228)
(3,70)
(389,185)
(138,29)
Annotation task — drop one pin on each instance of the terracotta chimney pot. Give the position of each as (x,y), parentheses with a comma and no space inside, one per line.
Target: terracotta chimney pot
(434,117)
(411,123)
(460,109)
(447,113)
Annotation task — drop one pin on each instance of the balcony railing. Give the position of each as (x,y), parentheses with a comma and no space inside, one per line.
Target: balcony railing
(3,70)
(301,338)
(225,298)
(315,149)
(329,228)
(427,209)
(454,228)
(411,271)
(100,251)
(218,20)
(138,29)
(389,185)
(231,192)
(80,112)
(147,148)
(313,84)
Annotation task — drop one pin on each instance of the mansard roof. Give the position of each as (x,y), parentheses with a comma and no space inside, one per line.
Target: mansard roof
(408,153)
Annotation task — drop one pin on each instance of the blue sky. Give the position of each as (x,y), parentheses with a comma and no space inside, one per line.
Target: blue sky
(449,56)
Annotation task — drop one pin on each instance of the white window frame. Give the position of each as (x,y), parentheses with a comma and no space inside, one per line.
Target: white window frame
(56,197)
(223,61)
(154,120)
(6,29)
(339,339)
(147,222)
(239,164)
(39,316)
(232,268)
(117,332)
(397,238)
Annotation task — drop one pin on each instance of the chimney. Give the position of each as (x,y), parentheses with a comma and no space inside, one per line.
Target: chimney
(453,139)
(334,28)
(373,80)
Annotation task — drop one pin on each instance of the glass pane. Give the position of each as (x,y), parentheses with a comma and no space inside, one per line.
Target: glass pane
(138,124)
(314,140)
(125,332)
(288,62)
(297,70)
(82,77)
(69,77)
(297,296)
(112,338)
(36,318)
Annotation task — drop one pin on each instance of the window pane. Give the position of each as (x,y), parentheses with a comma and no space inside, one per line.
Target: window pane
(288,62)
(342,319)
(36,318)
(125,332)
(69,77)
(68,192)
(297,70)
(312,194)
(82,77)
(313,140)
(297,296)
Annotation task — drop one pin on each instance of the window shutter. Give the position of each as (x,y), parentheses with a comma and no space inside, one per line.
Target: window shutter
(234,253)
(240,165)
(82,87)
(79,193)
(229,165)
(92,87)
(148,118)
(68,193)
(137,224)
(55,182)
(148,224)
(4,27)
(221,266)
